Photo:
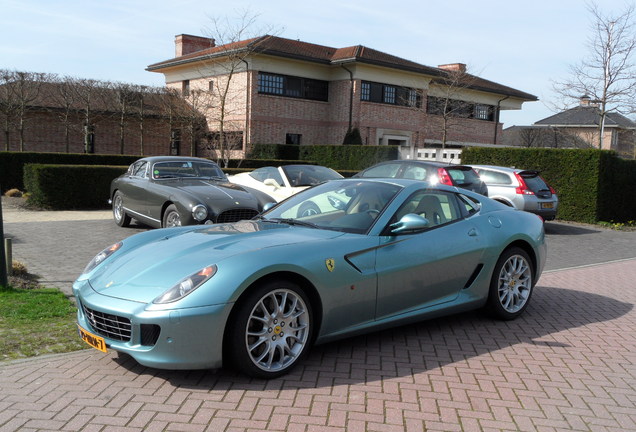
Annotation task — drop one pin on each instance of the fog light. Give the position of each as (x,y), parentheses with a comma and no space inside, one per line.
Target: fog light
(199,212)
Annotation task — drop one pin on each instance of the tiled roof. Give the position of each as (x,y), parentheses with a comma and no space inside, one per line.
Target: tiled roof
(586,116)
(289,48)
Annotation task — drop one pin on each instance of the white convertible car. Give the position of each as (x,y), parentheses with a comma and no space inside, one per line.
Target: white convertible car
(284,181)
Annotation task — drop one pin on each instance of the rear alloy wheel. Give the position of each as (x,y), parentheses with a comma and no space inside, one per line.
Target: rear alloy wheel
(271,331)
(119,214)
(171,217)
(511,284)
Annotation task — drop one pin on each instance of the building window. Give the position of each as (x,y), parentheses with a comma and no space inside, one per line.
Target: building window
(291,138)
(89,139)
(458,108)
(211,85)
(185,87)
(484,112)
(389,94)
(175,142)
(291,86)
(413,98)
(270,84)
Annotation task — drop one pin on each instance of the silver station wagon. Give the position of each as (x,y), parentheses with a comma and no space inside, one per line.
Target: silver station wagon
(521,189)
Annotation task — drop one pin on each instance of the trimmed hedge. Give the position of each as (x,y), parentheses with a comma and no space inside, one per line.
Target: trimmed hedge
(12,164)
(70,187)
(592,185)
(337,157)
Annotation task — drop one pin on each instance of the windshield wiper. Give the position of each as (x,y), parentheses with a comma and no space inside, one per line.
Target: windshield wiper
(290,221)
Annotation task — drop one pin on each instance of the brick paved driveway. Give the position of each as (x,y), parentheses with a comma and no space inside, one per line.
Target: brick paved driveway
(569,363)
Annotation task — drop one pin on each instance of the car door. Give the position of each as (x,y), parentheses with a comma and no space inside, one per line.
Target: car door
(430,267)
(134,192)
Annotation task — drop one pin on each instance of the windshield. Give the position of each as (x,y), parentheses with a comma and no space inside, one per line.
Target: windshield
(348,206)
(178,169)
(309,175)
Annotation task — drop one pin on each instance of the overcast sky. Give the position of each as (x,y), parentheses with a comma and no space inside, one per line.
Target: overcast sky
(522,44)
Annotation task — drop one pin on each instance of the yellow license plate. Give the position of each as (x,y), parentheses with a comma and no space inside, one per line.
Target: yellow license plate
(95,341)
(547,205)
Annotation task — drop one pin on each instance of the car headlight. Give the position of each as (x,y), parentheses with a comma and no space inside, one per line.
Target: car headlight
(100,257)
(199,212)
(186,285)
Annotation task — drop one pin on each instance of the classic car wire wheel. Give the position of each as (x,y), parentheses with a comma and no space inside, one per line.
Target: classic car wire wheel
(515,283)
(171,218)
(277,330)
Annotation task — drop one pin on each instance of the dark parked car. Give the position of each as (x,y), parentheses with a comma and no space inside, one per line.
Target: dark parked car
(434,172)
(166,191)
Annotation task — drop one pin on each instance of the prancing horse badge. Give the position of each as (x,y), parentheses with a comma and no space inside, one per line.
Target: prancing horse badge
(330,263)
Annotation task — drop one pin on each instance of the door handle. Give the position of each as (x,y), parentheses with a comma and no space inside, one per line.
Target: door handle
(472,232)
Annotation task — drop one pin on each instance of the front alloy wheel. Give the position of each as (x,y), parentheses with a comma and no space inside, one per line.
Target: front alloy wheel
(273,330)
(511,284)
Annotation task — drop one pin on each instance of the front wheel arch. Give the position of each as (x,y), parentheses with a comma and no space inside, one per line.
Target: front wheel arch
(308,288)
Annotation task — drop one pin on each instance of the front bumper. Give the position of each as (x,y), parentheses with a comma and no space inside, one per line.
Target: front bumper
(188,339)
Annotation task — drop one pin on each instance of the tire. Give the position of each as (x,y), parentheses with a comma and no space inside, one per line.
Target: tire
(171,217)
(119,214)
(308,209)
(511,284)
(271,330)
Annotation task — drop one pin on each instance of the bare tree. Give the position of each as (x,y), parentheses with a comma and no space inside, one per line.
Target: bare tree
(608,74)
(446,101)
(91,96)
(20,96)
(8,104)
(234,42)
(124,99)
(64,104)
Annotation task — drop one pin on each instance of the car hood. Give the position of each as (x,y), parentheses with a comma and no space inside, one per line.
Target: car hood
(145,271)
(213,190)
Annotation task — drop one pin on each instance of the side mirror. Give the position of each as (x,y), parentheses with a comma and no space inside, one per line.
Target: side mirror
(268,206)
(410,222)
(271,182)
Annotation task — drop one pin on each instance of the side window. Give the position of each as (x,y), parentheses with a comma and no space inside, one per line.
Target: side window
(414,172)
(139,169)
(385,170)
(438,207)
(491,177)
(468,205)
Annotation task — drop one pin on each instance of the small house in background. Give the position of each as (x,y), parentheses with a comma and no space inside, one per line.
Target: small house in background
(577,127)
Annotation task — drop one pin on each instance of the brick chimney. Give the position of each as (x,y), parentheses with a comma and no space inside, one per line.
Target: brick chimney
(454,67)
(586,101)
(186,44)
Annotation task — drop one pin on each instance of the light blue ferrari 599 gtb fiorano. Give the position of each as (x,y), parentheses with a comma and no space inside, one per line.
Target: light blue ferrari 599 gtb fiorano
(257,294)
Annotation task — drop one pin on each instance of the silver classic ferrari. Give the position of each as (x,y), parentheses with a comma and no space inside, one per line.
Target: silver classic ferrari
(257,294)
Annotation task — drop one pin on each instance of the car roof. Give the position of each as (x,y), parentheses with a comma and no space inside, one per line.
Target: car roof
(498,168)
(434,164)
(154,159)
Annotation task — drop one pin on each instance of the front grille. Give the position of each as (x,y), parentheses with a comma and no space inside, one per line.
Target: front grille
(236,215)
(108,325)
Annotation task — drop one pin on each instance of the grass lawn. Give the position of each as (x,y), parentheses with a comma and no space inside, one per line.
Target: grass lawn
(36,321)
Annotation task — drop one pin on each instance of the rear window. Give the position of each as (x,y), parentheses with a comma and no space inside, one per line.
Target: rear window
(534,182)
(463,176)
